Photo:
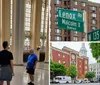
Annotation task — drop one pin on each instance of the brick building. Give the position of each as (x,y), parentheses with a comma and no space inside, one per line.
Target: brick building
(92,21)
(69,56)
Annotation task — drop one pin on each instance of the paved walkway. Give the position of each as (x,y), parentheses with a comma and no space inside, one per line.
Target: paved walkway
(41,75)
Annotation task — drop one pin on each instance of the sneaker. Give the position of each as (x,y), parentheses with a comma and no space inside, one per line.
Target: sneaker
(30,83)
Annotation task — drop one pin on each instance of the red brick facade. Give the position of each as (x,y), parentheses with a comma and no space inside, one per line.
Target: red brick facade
(67,56)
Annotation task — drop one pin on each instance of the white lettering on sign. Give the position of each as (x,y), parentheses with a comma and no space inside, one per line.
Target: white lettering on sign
(72,28)
(68,15)
(63,15)
(70,23)
(96,35)
(80,15)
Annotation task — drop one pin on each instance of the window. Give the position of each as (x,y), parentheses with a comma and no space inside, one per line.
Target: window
(75,9)
(85,61)
(56,23)
(58,31)
(83,39)
(93,21)
(83,10)
(85,67)
(27,44)
(10,40)
(27,15)
(63,56)
(93,15)
(83,4)
(93,8)
(65,3)
(75,2)
(93,28)
(58,38)
(75,32)
(59,61)
(56,16)
(58,54)
(57,2)
(64,62)
(75,38)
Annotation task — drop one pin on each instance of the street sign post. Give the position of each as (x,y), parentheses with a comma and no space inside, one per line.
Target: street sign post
(70,20)
(94,36)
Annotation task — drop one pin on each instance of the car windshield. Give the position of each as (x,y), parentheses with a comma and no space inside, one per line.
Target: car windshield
(58,78)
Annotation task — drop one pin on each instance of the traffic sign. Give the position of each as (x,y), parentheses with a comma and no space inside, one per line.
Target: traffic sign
(70,14)
(94,36)
(71,25)
(70,20)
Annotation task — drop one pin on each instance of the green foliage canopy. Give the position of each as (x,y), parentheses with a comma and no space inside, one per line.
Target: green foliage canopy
(90,75)
(72,71)
(95,49)
(57,68)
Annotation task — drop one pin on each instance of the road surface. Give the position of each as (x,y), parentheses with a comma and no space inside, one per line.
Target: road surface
(79,84)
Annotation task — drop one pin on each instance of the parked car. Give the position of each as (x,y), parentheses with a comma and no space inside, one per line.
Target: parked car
(86,81)
(62,79)
(78,81)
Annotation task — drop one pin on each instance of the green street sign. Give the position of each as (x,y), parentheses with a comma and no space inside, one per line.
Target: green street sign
(94,36)
(71,25)
(70,20)
(70,14)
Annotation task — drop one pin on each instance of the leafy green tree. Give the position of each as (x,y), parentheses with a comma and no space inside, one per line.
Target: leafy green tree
(95,49)
(98,61)
(57,68)
(68,72)
(73,71)
(90,75)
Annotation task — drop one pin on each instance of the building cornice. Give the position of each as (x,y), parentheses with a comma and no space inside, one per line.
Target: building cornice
(71,50)
(59,50)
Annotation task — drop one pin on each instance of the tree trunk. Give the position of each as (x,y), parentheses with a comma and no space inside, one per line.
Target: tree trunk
(73,79)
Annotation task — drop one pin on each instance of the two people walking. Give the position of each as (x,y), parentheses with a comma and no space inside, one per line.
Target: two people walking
(7,65)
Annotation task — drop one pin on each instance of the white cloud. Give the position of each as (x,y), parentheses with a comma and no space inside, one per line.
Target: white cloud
(97,1)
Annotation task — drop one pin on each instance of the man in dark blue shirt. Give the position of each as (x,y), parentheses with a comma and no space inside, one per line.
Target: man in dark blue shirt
(31,65)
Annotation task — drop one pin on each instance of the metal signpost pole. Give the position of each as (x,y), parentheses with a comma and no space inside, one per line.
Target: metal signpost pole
(85,24)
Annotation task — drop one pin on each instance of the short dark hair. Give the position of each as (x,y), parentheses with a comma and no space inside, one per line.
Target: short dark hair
(5,44)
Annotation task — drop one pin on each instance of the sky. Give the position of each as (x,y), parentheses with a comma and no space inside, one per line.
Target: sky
(76,46)
(98,1)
